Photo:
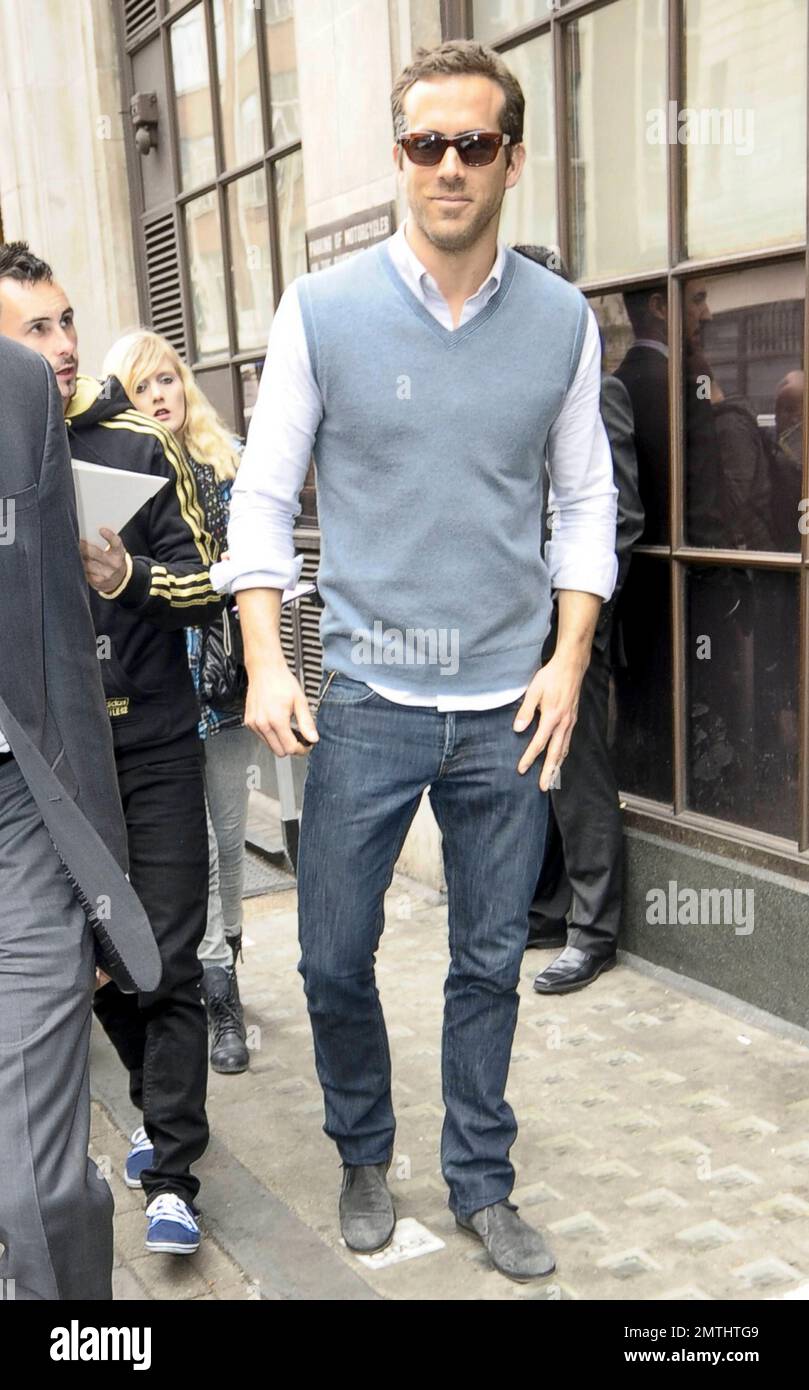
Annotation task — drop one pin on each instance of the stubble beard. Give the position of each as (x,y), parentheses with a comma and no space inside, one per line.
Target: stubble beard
(457,240)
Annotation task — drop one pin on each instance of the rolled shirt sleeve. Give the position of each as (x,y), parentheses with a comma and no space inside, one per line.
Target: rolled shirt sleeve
(266,492)
(583,498)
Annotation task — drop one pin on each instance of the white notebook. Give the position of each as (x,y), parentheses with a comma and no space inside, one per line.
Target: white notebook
(109,497)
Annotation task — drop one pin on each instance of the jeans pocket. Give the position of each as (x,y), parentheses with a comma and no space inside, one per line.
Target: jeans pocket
(342,690)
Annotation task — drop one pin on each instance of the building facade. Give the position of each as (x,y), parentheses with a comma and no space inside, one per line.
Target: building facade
(170,158)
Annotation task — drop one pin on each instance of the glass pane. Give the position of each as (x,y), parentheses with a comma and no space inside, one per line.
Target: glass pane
(288,175)
(743,408)
(493,18)
(529,210)
(282,62)
(189,58)
(742,664)
(743,127)
(641,712)
(217,386)
(237,67)
(251,269)
(616,76)
(207,272)
(633,334)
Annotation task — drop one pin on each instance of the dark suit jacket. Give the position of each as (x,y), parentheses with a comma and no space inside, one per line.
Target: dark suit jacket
(52,708)
(644,373)
(619,424)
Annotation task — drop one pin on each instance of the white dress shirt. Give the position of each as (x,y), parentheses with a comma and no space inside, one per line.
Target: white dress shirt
(264,504)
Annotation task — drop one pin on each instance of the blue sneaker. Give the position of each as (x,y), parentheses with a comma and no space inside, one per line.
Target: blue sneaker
(139,1157)
(172,1229)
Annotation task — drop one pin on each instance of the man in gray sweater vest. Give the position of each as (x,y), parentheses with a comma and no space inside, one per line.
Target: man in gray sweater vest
(434,376)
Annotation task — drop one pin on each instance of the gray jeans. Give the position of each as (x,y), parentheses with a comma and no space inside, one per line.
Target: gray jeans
(227,757)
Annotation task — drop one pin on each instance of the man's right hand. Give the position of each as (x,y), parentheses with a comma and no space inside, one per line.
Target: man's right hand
(273,697)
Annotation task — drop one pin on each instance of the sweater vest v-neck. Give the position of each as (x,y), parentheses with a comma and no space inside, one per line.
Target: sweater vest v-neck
(431,473)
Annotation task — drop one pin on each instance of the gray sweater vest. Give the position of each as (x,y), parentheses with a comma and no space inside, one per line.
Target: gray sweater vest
(430,461)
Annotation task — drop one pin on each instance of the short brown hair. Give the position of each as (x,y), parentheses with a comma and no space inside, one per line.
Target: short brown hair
(456,58)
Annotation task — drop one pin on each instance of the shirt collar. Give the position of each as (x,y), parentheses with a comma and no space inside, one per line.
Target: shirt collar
(419,279)
(652,343)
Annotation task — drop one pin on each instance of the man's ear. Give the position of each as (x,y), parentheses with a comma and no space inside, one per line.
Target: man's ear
(398,155)
(658,305)
(515,164)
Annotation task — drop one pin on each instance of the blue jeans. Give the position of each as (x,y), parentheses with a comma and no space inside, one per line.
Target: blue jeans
(365,779)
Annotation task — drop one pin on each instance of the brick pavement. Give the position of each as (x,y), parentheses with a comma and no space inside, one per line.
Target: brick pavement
(663,1142)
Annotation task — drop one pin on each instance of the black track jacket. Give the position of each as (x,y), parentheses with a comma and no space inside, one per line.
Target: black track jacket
(139,635)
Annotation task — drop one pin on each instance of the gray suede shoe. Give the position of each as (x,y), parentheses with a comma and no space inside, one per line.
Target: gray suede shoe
(367,1215)
(516,1250)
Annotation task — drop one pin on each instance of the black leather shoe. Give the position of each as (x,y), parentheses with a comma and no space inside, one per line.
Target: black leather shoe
(515,1249)
(572,970)
(547,933)
(367,1215)
(220,990)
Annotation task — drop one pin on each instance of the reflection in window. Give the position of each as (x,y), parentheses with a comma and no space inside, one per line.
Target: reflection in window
(491,19)
(641,714)
(742,738)
(207,273)
(616,76)
(745,142)
(237,68)
(635,338)
(288,174)
(248,220)
(189,57)
(743,408)
(282,62)
(529,210)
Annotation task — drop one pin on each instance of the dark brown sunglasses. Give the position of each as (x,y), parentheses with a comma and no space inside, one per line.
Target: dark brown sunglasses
(475,147)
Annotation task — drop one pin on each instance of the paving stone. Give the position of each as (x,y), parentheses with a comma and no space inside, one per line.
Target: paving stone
(662,1144)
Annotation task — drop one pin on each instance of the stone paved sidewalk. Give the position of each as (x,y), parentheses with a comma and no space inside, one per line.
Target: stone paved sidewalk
(663,1141)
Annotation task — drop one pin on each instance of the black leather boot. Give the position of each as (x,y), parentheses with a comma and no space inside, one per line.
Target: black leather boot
(220,990)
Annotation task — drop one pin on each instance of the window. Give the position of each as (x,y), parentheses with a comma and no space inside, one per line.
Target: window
(529,211)
(616,76)
(238,186)
(673,181)
(745,90)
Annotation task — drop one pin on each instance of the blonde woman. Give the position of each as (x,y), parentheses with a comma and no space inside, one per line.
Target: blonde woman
(160,385)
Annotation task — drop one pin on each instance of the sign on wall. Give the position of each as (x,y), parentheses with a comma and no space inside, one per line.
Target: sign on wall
(335,241)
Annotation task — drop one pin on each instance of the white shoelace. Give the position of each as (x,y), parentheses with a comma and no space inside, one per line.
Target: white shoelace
(170,1207)
(140,1139)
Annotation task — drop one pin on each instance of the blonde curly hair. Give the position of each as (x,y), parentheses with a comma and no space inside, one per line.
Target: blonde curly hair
(205,437)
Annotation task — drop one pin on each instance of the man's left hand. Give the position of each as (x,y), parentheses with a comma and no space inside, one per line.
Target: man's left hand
(104,569)
(555,691)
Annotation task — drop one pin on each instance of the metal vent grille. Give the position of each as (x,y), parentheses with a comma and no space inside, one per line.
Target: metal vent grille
(139,15)
(163,279)
(310,610)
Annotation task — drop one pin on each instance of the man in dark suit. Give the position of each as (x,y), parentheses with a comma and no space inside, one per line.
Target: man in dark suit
(67,903)
(582,872)
(582,864)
